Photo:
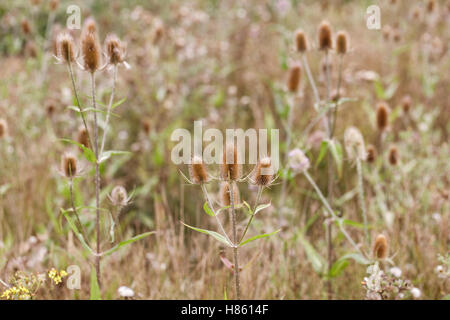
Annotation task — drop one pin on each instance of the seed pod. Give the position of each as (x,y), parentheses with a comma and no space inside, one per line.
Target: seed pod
(393,155)
(380,249)
(65,47)
(354,144)
(230,169)
(197,170)
(3,128)
(119,196)
(225,193)
(263,172)
(382,116)
(294,78)
(325,38)
(115,50)
(342,42)
(69,165)
(91,51)
(406,103)
(83,136)
(371,154)
(301,43)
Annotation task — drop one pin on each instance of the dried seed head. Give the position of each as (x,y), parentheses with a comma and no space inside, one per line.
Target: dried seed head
(393,155)
(65,47)
(158,31)
(50,108)
(230,168)
(119,196)
(431,4)
(26,27)
(3,128)
(146,126)
(83,136)
(54,4)
(90,26)
(69,165)
(115,49)
(197,170)
(406,103)
(380,249)
(387,31)
(342,41)
(301,43)
(354,144)
(382,116)
(264,172)
(325,38)
(371,154)
(225,193)
(396,35)
(91,51)
(294,78)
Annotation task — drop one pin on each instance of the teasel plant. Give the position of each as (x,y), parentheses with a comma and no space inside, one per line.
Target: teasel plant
(262,176)
(90,59)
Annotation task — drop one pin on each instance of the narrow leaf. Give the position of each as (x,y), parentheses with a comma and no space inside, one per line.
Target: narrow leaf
(214,234)
(258,237)
(125,242)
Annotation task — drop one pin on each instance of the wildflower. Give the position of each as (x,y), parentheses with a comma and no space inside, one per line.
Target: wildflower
(125,292)
(298,161)
(90,47)
(354,144)
(119,196)
(56,276)
(396,272)
(415,292)
(83,136)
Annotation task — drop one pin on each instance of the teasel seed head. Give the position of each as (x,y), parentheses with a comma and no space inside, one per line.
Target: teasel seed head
(69,165)
(342,42)
(263,172)
(90,26)
(197,170)
(393,155)
(26,27)
(431,4)
(382,116)
(295,74)
(65,47)
(230,169)
(325,38)
(301,43)
(83,136)
(91,50)
(115,49)
(119,196)
(3,128)
(371,154)
(354,144)
(146,126)
(225,193)
(406,103)
(50,108)
(54,4)
(380,248)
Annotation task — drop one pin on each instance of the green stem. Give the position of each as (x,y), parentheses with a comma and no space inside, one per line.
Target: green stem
(361,199)
(258,198)
(235,249)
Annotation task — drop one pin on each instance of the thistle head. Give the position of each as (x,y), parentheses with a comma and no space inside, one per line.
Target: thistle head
(354,144)
(90,26)
(90,47)
(69,165)
(294,77)
(119,196)
(382,116)
(342,42)
(230,168)
(325,38)
(197,170)
(301,42)
(263,172)
(65,47)
(115,49)
(83,136)
(380,248)
(371,154)
(225,193)
(3,128)
(393,155)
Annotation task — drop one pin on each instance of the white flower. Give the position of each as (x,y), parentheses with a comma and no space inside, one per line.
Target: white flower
(354,144)
(396,272)
(298,161)
(125,292)
(416,293)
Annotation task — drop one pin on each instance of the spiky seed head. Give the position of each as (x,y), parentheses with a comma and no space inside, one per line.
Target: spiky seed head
(3,128)
(146,126)
(393,155)
(431,4)
(83,136)
(91,50)
(197,170)
(406,103)
(230,168)
(26,27)
(69,165)
(295,73)
(382,116)
(90,26)
(325,37)
(342,42)
(380,248)
(119,196)
(371,154)
(264,172)
(115,49)
(354,144)
(225,193)
(301,43)
(65,47)
(54,4)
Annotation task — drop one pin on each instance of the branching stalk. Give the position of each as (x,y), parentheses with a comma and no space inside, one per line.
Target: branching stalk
(235,249)
(362,202)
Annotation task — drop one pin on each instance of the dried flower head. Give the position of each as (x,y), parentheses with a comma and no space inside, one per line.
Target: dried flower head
(295,73)
(371,154)
(431,4)
(69,165)
(342,42)
(393,155)
(230,168)
(354,144)
(380,249)
(119,196)
(90,26)
(263,172)
(298,161)
(65,47)
(406,103)
(325,38)
(382,116)
(301,43)
(197,170)
(54,4)
(115,49)
(26,27)
(146,125)
(3,128)
(83,136)
(225,193)
(91,50)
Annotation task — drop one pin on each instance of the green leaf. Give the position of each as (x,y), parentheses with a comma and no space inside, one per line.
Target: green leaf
(77,233)
(258,237)
(95,289)
(262,207)
(4,188)
(125,242)
(338,267)
(107,154)
(214,234)
(208,209)
(112,226)
(336,151)
(118,103)
(317,261)
(248,207)
(323,152)
(88,153)
(353,223)
(357,257)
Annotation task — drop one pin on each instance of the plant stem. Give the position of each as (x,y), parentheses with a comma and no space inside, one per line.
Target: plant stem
(258,198)
(311,81)
(235,249)
(97,182)
(288,145)
(361,199)
(72,203)
(333,127)
(108,113)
